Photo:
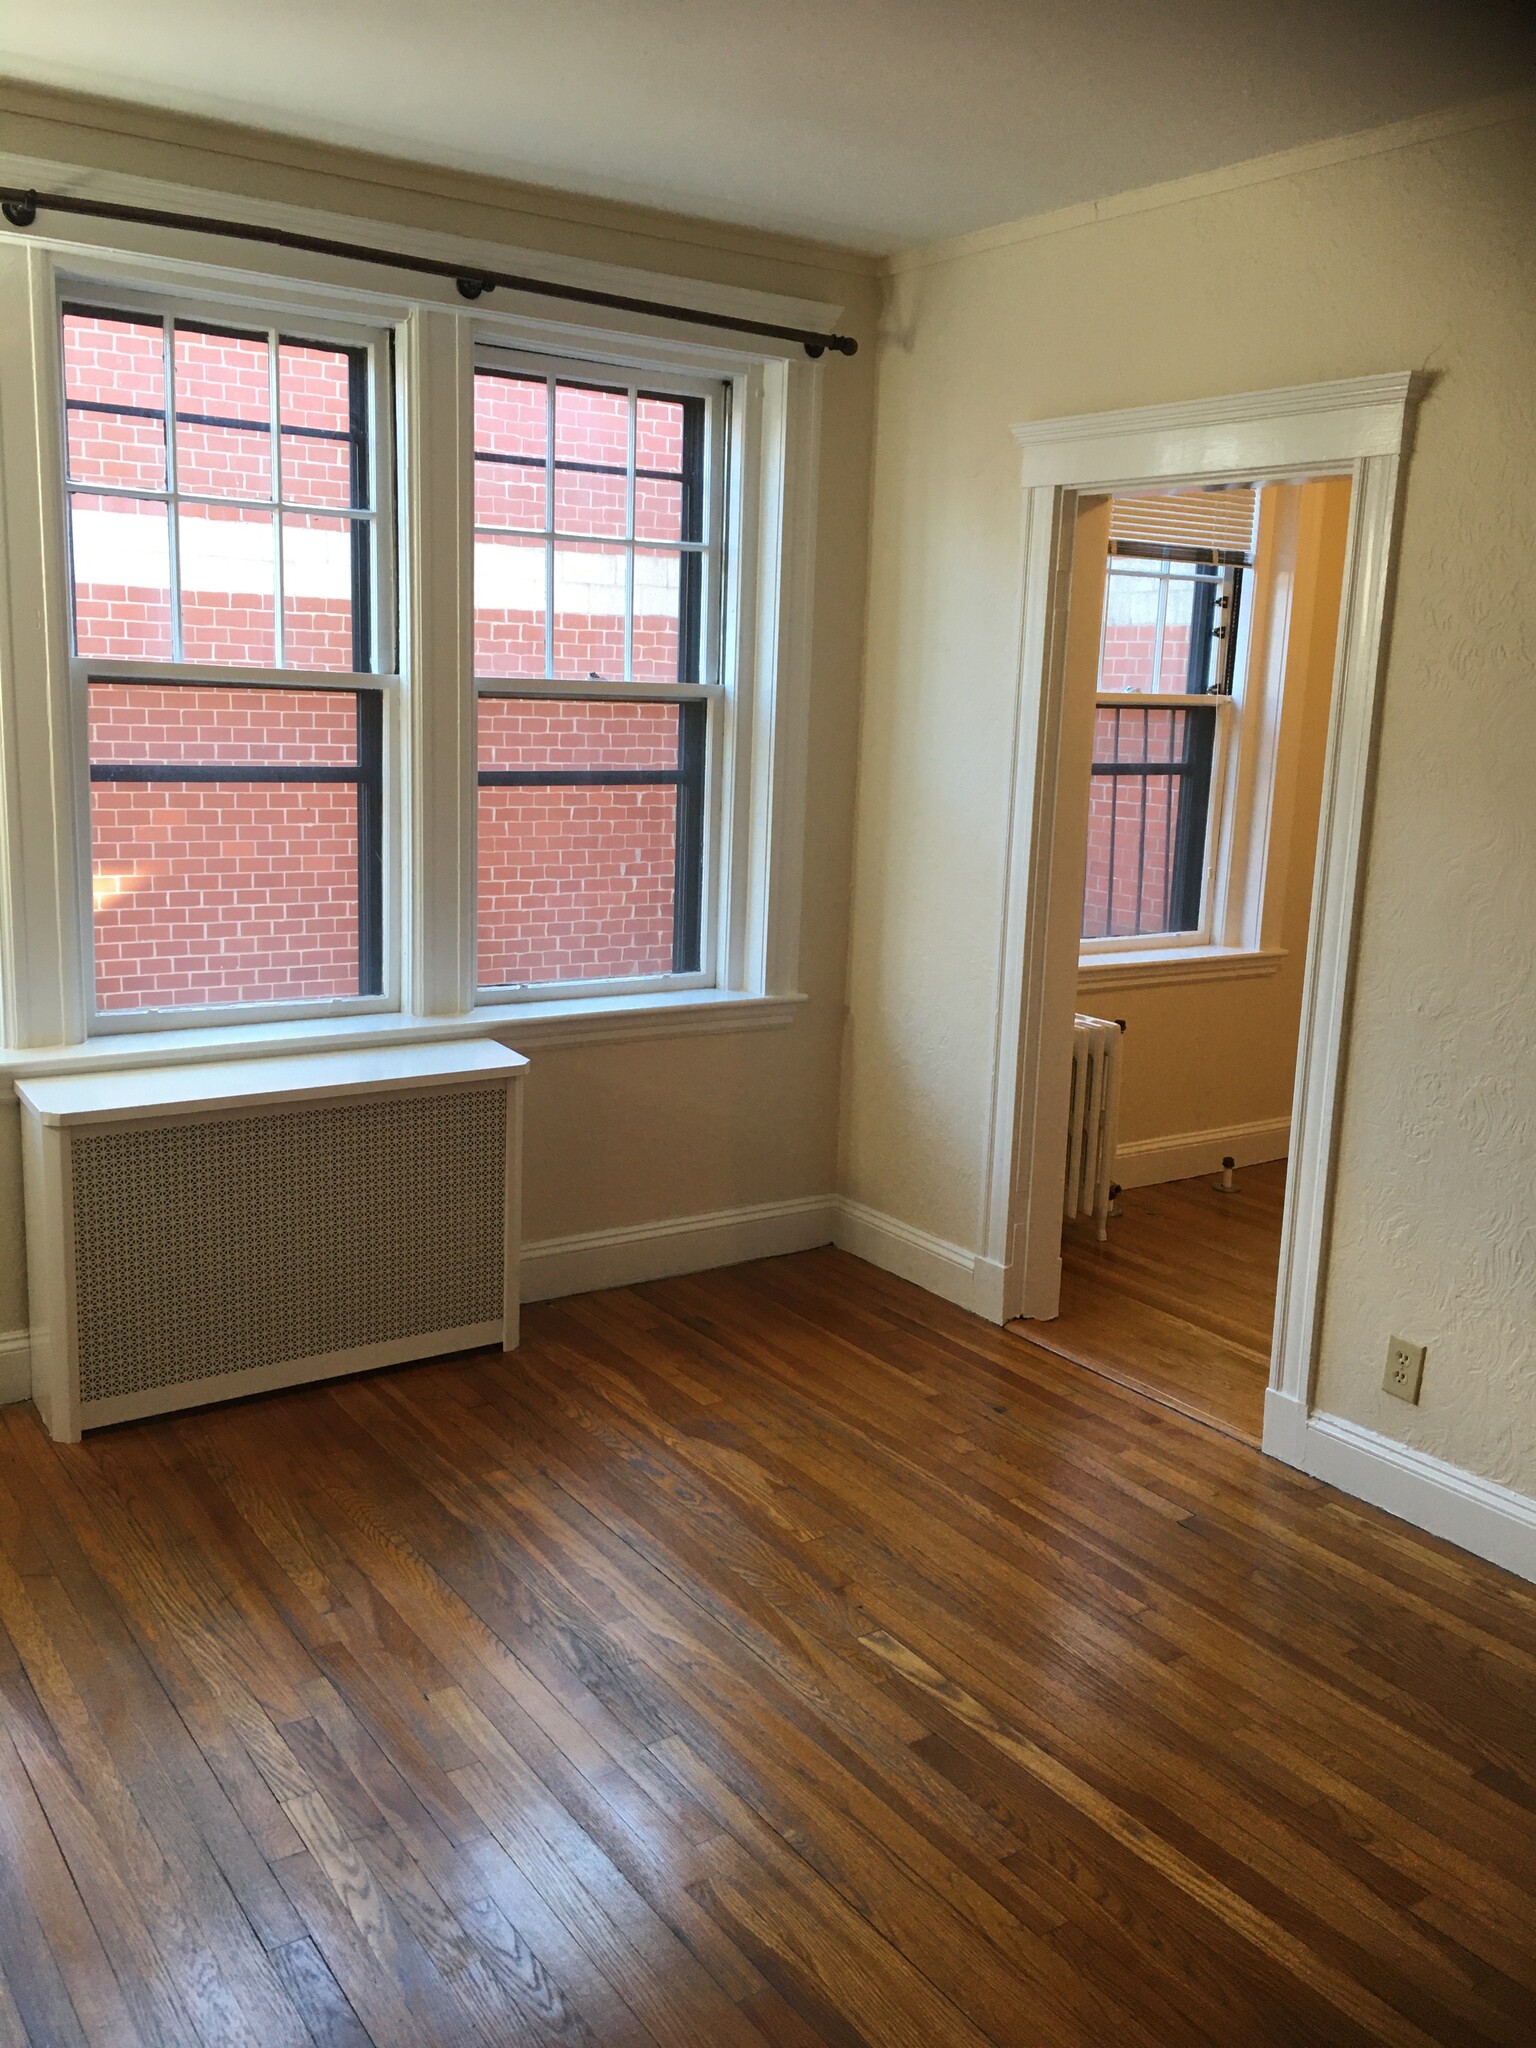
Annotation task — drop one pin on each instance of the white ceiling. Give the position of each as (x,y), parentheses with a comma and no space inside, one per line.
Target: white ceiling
(876,123)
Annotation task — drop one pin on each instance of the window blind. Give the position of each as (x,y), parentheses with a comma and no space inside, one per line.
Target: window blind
(1186,519)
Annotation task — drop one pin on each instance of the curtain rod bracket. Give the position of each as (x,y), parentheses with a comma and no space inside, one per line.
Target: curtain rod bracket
(474,287)
(21,211)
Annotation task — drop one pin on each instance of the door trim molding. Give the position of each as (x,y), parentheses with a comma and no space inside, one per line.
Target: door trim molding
(1358,427)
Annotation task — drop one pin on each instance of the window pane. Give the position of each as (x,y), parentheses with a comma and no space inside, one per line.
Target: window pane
(591,501)
(577,880)
(659,607)
(591,425)
(589,612)
(1147,821)
(319,628)
(551,733)
(177,723)
(315,426)
(114,385)
(510,606)
(510,491)
(121,563)
(213,890)
(658,508)
(659,434)
(223,414)
(511,415)
(227,607)
(1150,637)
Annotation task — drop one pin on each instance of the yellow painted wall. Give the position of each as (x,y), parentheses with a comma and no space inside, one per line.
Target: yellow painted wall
(630,1133)
(1418,257)
(1217,1055)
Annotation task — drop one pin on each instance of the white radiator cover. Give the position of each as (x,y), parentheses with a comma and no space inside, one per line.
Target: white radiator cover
(1093,1119)
(202,1232)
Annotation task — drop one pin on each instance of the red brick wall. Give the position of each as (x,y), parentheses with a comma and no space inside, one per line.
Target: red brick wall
(219,893)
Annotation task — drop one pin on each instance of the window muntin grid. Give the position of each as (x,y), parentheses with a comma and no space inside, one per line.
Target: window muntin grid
(216,481)
(593,502)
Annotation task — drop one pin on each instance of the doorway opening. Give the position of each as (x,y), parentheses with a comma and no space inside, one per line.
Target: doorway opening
(1350,436)
(1203,623)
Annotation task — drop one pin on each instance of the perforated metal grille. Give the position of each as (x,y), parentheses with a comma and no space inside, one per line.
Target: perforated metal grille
(208,1248)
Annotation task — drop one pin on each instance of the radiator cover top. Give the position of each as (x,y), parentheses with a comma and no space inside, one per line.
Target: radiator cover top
(216,1245)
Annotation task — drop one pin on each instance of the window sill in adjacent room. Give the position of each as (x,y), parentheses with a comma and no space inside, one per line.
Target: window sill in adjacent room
(1161,966)
(575,1020)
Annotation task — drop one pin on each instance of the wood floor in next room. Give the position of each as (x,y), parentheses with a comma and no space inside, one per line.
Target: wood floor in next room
(1180,1303)
(769,1658)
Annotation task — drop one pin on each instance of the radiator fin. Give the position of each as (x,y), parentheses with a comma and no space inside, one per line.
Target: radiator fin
(205,1248)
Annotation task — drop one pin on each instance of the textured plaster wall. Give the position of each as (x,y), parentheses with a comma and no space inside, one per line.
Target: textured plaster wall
(1420,257)
(632,1133)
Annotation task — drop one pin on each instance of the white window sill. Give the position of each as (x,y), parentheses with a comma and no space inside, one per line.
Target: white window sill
(1162,966)
(579,1020)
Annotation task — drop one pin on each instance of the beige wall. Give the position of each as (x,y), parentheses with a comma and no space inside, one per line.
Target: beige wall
(1411,258)
(639,1132)
(1216,1055)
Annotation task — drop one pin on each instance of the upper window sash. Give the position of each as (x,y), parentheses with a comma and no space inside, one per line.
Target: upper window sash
(293,487)
(571,498)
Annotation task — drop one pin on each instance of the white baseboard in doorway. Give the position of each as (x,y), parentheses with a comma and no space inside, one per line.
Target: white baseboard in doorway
(1476,1514)
(636,1252)
(945,1269)
(1145,1161)
(15,1365)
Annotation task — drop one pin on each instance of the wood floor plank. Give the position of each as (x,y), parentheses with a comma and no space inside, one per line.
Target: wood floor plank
(1179,1304)
(770,1658)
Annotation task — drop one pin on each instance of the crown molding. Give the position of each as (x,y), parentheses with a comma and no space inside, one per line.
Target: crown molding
(168,129)
(1262,170)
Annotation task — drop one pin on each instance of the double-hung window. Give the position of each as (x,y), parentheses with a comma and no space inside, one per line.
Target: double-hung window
(266,815)
(597,626)
(1168,686)
(227,489)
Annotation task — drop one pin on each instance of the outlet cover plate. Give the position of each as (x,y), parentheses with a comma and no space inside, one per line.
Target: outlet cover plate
(1405,1369)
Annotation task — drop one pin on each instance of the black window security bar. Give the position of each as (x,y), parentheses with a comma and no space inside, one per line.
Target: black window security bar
(687,778)
(366,773)
(1189,775)
(21,209)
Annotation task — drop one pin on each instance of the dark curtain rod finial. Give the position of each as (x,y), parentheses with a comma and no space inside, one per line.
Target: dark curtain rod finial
(21,210)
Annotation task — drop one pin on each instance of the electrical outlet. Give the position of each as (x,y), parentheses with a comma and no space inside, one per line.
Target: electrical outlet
(1405,1369)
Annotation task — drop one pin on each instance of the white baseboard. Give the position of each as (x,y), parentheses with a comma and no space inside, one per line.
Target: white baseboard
(680,1244)
(932,1262)
(15,1365)
(1145,1161)
(1492,1521)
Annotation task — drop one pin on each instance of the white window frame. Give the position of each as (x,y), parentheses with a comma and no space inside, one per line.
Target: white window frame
(1246,855)
(1224,879)
(719,655)
(775,415)
(383,679)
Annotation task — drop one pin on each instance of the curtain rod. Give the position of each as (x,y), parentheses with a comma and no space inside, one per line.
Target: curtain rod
(21,210)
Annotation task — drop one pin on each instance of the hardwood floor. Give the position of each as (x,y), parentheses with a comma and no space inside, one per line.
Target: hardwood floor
(773,1656)
(1180,1304)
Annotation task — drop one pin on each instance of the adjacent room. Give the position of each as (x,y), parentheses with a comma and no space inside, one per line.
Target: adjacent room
(765,1005)
(1210,638)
